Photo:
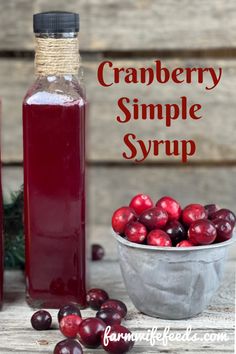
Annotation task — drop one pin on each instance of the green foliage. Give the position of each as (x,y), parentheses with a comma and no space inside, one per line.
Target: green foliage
(13,231)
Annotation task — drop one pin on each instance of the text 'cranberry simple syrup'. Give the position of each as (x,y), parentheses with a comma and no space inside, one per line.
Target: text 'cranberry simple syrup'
(54,166)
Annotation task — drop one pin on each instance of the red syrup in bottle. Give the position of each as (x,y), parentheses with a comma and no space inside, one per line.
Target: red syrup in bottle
(54,191)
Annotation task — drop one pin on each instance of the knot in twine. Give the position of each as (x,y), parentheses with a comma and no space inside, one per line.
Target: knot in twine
(57,56)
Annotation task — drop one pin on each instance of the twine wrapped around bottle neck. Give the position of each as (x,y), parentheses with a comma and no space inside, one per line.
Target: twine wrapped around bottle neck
(56,56)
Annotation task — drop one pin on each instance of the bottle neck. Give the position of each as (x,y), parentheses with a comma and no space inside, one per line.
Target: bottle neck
(57,54)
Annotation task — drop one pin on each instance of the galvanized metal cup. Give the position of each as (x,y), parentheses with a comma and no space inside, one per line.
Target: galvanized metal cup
(169,282)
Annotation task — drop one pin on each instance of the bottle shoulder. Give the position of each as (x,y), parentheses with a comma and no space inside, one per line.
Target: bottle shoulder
(55,90)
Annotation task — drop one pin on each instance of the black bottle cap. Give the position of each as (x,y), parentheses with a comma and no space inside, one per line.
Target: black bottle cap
(56,22)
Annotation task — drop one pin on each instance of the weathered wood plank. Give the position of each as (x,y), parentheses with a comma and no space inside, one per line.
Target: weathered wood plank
(129,25)
(214,134)
(109,188)
(17,335)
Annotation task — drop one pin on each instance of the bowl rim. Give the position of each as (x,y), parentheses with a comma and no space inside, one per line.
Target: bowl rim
(127,243)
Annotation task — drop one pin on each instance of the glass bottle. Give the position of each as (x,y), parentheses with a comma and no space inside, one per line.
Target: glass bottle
(54,166)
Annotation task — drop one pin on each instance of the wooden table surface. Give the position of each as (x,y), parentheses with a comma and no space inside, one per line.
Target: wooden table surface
(17,336)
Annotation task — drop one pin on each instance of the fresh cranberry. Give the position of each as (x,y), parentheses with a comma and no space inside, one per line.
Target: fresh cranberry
(159,238)
(176,231)
(121,218)
(154,218)
(202,232)
(117,339)
(68,346)
(185,243)
(193,212)
(69,325)
(96,297)
(211,208)
(109,316)
(224,214)
(171,206)
(224,230)
(116,305)
(90,331)
(136,232)
(141,202)
(97,252)
(41,320)
(69,309)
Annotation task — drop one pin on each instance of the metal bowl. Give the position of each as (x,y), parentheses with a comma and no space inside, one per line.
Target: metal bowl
(169,282)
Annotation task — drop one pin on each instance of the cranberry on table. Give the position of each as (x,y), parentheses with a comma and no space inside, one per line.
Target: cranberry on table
(69,309)
(176,231)
(68,346)
(97,252)
(121,217)
(202,232)
(159,238)
(154,218)
(90,331)
(116,305)
(109,316)
(96,297)
(193,212)
(69,325)
(41,320)
(171,206)
(136,232)
(141,202)
(122,345)
(225,214)
(211,208)
(224,230)
(185,243)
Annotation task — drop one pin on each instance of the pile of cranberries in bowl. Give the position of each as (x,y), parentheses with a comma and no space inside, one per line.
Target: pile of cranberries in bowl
(104,329)
(166,224)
